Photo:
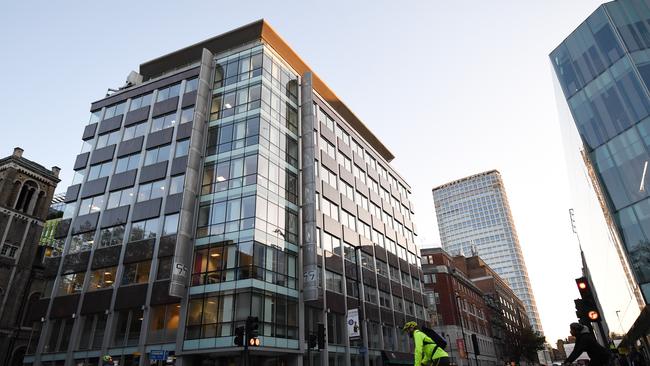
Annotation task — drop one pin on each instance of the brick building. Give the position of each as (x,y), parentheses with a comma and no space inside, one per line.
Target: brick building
(506,312)
(453,296)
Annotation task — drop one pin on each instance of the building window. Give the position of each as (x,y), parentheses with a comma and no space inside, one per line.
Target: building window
(134,131)
(100,170)
(114,110)
(120,198)
(191,84)
(102,278)
(352,288)
(176,184)
(187,115)
(382,268)
(328,177)
(333,282)
(90,205)
(163,323)
(350,253)
(367,261)
(111,236)
(9,251)
(215,316)
(164,121)
(349,220)
(331,243)
(370,294)
(141,230)
(136,273)
(141,101)
(71,283)
(384,299)
(168,92)
(81,242)
(108,139)
(164,268)
(157,155)
(170,226)
(127,163)
(327,147)
(59,337)
(182,148)
(149,191)
(127,329)
(330,209)
(93,329)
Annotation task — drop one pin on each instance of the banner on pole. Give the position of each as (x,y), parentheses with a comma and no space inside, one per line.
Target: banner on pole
(354,328)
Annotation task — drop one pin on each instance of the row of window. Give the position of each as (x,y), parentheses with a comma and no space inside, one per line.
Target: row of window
(139,230)
(103,278)
(143,100)
(145,191)
(324,119)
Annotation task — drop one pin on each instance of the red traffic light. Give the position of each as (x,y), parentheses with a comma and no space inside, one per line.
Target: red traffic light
(593,315)
(254,341)
(582,285)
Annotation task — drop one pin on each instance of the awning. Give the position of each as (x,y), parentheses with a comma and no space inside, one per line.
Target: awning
(397,358)
(640,328)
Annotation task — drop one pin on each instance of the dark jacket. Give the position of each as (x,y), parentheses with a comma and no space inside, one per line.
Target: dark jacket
(586,342)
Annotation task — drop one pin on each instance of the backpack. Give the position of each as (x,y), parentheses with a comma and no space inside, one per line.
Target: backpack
(439,341)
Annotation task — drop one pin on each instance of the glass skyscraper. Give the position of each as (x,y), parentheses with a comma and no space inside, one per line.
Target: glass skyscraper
(474,219)
(226,180)
(603,72)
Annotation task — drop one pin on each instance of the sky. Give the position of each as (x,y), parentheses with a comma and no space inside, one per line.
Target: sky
(453,88)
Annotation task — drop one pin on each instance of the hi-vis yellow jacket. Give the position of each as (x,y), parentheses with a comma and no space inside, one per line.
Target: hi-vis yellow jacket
(424,347)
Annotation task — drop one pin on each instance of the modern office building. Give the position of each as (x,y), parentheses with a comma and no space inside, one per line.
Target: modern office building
(461,309)
(226,180)
(474,219)
(26,189)
(602,76)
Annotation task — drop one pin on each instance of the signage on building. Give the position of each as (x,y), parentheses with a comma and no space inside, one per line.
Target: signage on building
(354,328)
(157,355)
(460,344)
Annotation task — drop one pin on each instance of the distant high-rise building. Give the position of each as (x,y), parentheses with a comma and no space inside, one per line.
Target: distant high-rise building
(225,181)
(474,219)
(602,79)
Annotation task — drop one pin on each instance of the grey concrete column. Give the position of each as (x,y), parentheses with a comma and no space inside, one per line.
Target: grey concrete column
(183,253)
(309,250)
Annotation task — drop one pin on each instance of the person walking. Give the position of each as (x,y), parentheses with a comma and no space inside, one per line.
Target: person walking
(586,342)
(427,352)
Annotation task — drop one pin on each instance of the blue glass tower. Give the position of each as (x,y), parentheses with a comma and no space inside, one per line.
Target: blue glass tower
(603,69)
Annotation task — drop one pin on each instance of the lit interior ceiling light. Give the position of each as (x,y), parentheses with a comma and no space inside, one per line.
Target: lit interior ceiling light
(228,105)
(107,273)
(220,179)
(214,255)
(645,169)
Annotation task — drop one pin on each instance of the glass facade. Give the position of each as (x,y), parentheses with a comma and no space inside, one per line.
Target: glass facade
(474,218)
(603,71)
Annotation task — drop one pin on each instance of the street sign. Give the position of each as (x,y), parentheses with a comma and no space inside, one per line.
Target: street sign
(354,330)
(158,355)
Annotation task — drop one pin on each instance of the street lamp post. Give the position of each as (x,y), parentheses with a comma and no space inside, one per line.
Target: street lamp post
(462,330)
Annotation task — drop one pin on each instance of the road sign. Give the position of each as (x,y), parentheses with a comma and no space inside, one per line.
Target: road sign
(158,355)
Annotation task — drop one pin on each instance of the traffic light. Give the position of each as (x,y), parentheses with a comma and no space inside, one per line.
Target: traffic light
(312,341)
(320,335)
(239,336)
(252,331)
(586,308)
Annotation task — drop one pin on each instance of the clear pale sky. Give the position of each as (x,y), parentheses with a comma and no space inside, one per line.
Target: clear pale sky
(453,88)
